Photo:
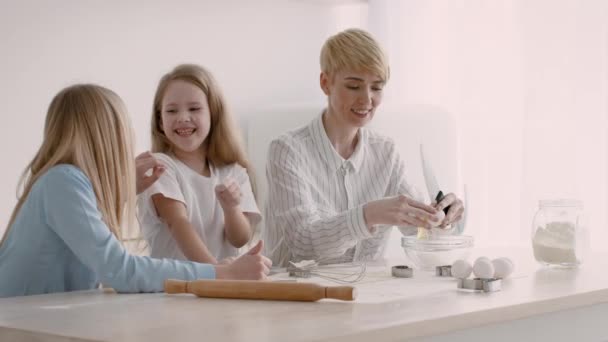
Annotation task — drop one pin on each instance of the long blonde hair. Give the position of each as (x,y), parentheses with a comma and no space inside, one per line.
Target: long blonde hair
(224,144)
(87,126)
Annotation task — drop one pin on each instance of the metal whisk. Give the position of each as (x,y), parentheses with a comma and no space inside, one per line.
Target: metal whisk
(339,273)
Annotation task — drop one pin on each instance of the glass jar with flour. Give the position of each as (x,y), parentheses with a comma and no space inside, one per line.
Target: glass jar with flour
(559,233)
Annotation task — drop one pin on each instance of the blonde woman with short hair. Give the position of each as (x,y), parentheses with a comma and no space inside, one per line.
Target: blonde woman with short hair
(203,207)
(335,186)
(77,194)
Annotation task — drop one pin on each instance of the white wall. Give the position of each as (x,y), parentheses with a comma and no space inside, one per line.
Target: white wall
(566,111)
(262,52)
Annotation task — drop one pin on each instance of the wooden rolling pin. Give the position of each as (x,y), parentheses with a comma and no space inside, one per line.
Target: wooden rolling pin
(273,290)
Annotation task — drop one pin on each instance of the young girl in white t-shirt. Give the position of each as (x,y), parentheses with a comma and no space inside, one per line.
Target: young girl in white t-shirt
(202,208)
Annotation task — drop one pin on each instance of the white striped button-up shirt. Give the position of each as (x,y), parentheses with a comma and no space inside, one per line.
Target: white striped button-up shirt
(316,197)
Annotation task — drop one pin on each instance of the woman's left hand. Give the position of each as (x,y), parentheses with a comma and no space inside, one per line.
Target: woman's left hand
(455,211)
(229,193)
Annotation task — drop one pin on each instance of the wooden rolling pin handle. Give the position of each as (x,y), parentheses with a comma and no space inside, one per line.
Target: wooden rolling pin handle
(341,292)
(260,290)
(176,286)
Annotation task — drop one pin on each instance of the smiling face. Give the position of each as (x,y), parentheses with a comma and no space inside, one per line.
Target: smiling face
(185,116)
(352,96)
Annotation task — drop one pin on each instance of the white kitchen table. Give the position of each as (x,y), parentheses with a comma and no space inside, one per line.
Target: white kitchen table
(537,303)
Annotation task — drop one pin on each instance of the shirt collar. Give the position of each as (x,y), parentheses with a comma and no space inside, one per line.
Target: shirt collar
(329,154)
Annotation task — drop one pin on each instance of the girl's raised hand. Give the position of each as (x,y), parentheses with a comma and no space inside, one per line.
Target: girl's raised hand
(228,193)
(143,163)
(249,266)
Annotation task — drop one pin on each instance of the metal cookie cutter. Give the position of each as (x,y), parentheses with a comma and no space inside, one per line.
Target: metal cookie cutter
(480,284)
(298,272)
(443,271)
(402,271)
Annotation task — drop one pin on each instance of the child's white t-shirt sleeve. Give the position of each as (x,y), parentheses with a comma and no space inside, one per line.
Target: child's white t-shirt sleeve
(166,185)
(248,204)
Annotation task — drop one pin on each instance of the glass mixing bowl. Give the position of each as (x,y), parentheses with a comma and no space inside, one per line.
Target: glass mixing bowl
(426,254)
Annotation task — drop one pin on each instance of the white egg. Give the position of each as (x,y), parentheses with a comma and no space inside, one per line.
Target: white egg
(503,267)
(440,215)
(483,268)
(461,269)
(483,258)
(449,230)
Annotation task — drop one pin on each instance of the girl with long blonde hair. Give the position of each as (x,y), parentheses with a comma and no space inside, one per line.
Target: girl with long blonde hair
(77,194)
(203,207)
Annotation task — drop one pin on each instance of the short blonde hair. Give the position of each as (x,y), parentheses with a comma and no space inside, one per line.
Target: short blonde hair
(224,143)
(88,126)
(354,49)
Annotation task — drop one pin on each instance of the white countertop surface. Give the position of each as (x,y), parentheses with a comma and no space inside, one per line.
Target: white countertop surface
(386,309)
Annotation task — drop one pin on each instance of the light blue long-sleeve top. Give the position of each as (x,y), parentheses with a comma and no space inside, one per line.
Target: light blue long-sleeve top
(58,242)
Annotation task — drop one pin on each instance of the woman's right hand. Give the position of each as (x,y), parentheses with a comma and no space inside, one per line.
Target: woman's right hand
(249,266)
(399,211)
